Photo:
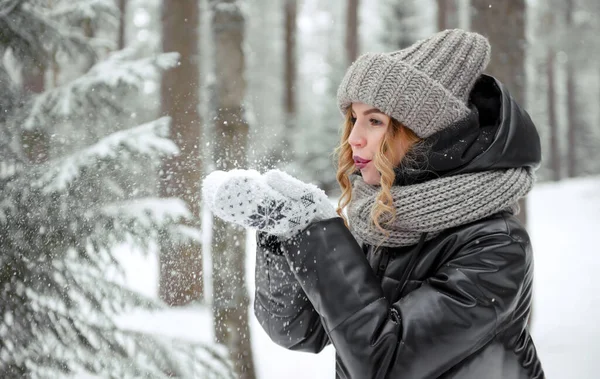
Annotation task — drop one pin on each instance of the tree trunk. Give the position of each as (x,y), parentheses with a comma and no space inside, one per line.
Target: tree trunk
(572,122)
(89,32)
(181,265)
(291,10)
(552,119)
(447,14)
(503,23)
(230,296)
(122,23)
(352,31)
(36,142)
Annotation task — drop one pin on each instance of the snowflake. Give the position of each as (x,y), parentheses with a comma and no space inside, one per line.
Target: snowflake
(307,200)
(267,215)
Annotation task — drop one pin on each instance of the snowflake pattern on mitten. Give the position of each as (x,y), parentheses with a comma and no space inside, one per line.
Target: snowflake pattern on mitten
(309,194)
(267,215)
(244,198)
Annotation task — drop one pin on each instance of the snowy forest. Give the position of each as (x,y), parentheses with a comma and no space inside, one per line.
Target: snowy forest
(113,111)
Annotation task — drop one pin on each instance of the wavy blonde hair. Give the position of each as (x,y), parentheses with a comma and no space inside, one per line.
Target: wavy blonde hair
(383,212)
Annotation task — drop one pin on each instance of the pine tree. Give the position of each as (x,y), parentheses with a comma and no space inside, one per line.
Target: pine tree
(61,286)
(230,295)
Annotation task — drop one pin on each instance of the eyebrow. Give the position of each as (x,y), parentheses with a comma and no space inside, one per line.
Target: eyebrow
(369,111)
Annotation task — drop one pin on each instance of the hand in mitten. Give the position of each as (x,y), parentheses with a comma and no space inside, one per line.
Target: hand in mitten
(246,198)
(297,190)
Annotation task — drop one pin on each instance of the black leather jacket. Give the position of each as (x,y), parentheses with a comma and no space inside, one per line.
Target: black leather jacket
(455,306)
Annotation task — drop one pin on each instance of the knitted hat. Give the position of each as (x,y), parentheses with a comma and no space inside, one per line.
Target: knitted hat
(425,86)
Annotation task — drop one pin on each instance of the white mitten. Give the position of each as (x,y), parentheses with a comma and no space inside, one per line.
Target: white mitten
(296,189)
(243,197)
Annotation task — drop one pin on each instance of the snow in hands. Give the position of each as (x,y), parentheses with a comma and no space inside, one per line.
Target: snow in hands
(275,203)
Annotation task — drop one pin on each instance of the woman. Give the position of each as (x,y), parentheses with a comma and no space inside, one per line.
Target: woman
(430,274)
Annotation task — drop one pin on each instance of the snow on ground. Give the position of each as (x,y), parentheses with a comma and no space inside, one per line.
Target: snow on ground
(564,221)
(565,231)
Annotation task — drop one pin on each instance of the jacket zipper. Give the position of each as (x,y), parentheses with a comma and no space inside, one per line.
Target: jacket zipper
(383,261)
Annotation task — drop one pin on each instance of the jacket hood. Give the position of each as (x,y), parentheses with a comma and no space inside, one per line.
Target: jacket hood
(497,134)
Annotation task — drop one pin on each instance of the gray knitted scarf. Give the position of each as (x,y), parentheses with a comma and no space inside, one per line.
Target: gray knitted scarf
(437,204)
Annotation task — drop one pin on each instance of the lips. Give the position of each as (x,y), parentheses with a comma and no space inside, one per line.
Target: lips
(360,163)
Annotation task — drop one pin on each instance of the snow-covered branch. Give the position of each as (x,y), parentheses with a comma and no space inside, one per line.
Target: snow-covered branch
(147,140)
(97,88)
(78,10)
(148,213)
(30,33)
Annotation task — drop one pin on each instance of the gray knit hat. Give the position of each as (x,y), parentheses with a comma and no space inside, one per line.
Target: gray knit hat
(425,86)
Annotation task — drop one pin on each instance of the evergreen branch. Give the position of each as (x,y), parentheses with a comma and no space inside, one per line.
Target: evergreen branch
(34,37)
(181,234)
(69,329)
(95,90)
(101,289)
(206,360)
(144,140)
(77,11)
(59,224)
(92,260)
(7,6)
(149,213)
(117,69)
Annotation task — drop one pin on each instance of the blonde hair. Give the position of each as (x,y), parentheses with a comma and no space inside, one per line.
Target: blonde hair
(383,212)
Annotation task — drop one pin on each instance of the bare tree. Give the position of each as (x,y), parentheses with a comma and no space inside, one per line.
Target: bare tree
(547,26)
(291,15)
(572,119)
(580,30)
(122,23)
(545,43)
(230,295)
(181,265)
(447,14)
(352,31)
(503,23)
(553,131)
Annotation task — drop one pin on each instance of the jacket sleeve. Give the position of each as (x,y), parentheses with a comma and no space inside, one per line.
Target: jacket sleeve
(455,312)
(280,305)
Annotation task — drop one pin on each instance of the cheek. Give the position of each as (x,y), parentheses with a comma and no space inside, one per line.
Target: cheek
(376,138)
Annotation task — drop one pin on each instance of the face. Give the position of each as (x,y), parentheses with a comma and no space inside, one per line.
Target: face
(370,127)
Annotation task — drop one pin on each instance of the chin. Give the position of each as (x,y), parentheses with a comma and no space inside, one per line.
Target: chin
(371,178)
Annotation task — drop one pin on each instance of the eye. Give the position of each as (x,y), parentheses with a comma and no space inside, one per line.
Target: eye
(375,122)
(353,120)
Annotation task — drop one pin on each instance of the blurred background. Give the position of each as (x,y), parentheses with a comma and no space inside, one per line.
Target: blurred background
(112,112)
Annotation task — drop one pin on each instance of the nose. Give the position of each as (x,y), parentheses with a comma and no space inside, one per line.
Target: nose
(356,138)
